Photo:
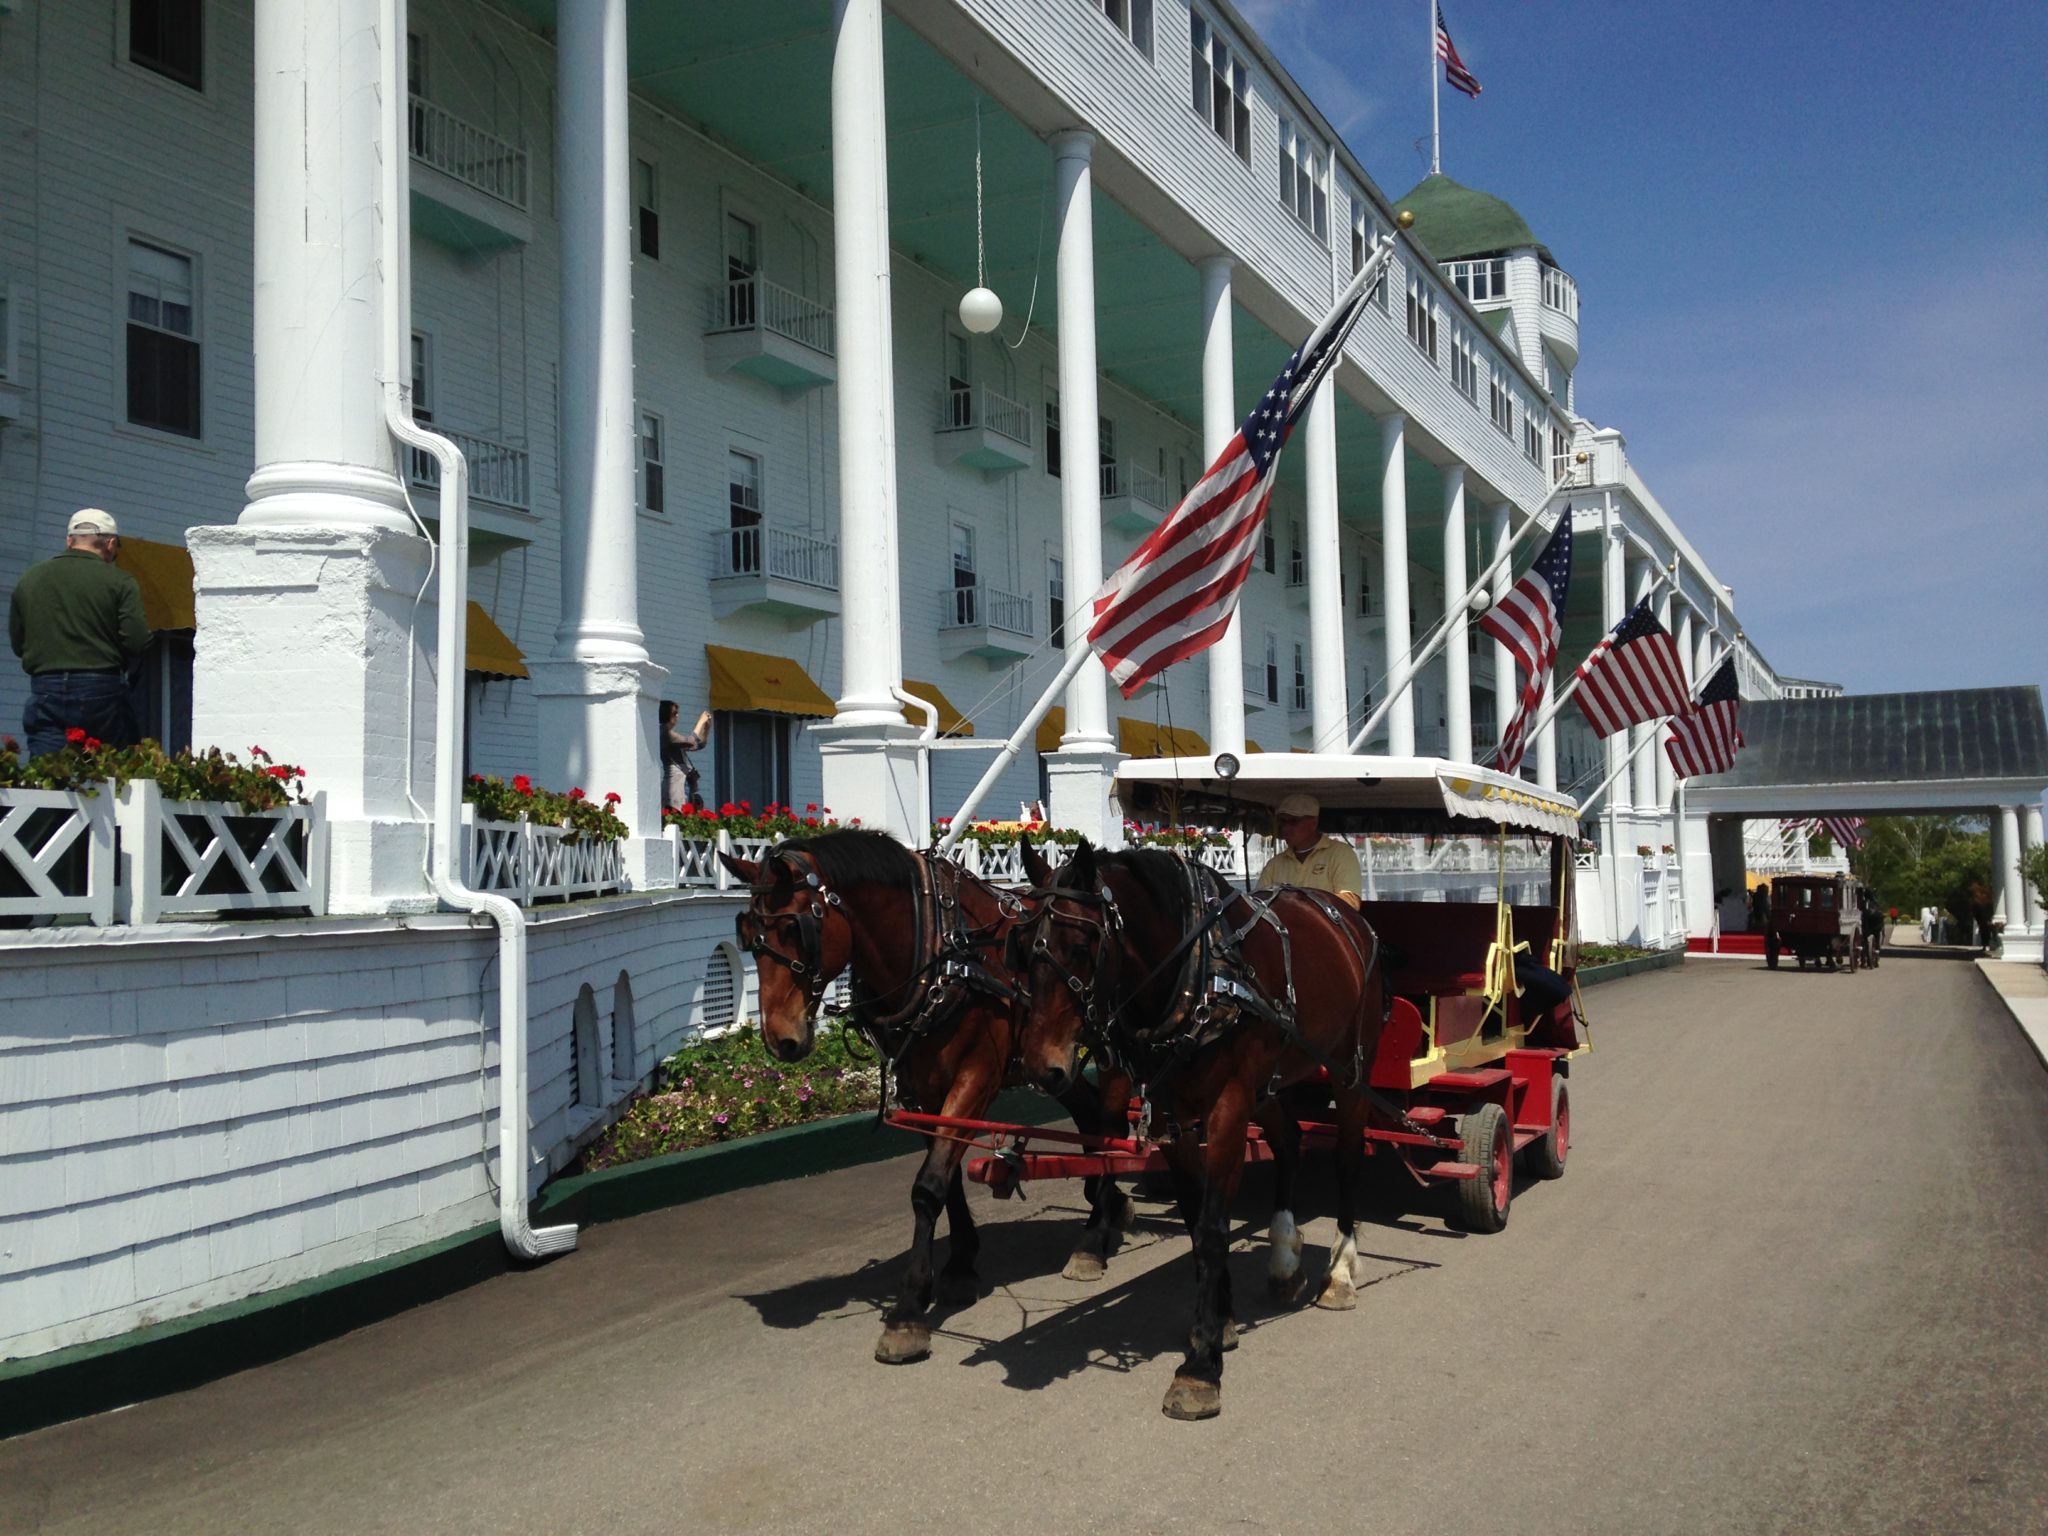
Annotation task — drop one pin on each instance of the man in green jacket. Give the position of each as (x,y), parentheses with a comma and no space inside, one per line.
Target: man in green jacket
(77,624)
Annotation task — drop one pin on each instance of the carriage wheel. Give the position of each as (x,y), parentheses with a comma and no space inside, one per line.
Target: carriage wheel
(1547,1153)
(1771,950)
(1483,1202)
(1855,957)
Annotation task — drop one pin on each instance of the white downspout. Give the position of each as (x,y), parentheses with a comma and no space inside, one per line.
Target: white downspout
(925,738)
(445,866)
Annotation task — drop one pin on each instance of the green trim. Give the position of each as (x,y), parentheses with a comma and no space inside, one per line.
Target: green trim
(189,1351)
(1454,221)
(1614,970)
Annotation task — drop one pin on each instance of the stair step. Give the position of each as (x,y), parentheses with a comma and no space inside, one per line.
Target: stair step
(1428,1114)
(1469,1082)
(1451,1171)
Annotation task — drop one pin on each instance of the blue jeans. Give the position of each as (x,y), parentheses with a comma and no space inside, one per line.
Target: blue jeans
(97,703)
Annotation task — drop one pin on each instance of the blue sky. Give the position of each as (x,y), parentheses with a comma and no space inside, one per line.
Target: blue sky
(1812,248)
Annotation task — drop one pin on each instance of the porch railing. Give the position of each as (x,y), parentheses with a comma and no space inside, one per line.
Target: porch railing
(976,405)
(981,606)
(783,553)
(1123,478)
(756,304)
(497,471)
(493,166)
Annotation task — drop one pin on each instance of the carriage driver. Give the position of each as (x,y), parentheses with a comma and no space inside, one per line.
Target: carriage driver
(1310,859)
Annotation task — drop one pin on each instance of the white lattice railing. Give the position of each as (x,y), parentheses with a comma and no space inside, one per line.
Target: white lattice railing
(765,550)
(976,405)
(981,606)
(194,856)
(754,303)
(473,157)
(57,854)
(533,863)
(697,861)
(1137,482)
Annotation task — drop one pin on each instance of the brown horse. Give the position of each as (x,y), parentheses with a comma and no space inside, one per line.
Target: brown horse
(1214,1003)
(925,942)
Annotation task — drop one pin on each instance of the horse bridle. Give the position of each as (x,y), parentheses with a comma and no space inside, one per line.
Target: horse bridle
(1108,929)
(807,964)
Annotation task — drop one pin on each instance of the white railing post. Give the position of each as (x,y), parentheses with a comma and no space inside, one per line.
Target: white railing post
(139,813)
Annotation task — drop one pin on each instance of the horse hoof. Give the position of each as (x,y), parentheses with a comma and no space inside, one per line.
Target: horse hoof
(901,1343)
(1085,1265)
(1337,1298)
(1191,1399)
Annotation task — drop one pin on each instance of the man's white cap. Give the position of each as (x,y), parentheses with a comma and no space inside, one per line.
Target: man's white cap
(1298,805)
(92,520)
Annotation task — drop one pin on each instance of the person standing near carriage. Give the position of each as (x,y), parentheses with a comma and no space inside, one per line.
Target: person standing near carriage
(678,774)
(77,623)
(1310,860)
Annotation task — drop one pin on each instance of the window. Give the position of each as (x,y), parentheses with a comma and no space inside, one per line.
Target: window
(743,511)
(653,489)
(1365,232)
(1365,602)
(415,64)
(959,379)
(165,36)
(1464,365)
(965,590)
(1560,454)
(164,689)
(1532,440)
(1479,280)
(1560,293)
(1267,556)
(1105,453)
(742,262)
(1500,405)
(1222,88)
(1297,562)
(752,752)
(647,199)
(1272,668)
(6,335)
(1052,437)
(422,377)
(1300,700)
(1133,18)
(1056,601)
(1421,316)
(1304,181)
(163,340)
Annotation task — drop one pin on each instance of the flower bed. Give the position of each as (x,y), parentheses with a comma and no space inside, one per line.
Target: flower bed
(701,834)
(729,1088)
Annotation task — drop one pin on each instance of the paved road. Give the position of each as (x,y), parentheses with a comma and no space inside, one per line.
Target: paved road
(1792,1282)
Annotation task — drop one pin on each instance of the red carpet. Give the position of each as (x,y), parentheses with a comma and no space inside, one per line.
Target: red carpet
(1730,944)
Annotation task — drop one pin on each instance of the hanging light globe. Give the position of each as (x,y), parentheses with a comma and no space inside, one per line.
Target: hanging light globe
(980,311)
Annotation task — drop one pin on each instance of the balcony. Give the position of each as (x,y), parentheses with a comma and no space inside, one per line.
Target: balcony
(984,621)
(500,493)
(1256,694)
(983,430)
(1300,708)
(1558,319)
(1297,578)
(469,187)
(1134,499)
(771,332)
(778,572)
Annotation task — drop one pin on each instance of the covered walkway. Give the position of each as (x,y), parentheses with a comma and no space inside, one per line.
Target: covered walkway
(1974,752)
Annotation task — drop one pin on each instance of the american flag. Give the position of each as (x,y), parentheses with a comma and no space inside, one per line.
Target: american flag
(1704,737)
(1456,75)
(1633,676)
(1529,621)
(1846,831)
(1176,593)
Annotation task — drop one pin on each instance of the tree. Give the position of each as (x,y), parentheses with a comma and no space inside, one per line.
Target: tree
(1912,862)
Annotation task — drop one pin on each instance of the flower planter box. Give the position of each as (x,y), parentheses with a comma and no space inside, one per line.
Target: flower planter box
(196,856)
(533,863)
(697,862)
(57,854)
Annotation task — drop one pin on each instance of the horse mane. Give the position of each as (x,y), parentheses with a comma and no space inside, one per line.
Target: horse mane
(858,857)
(1156,870)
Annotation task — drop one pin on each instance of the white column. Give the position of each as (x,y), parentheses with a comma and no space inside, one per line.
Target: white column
(1219,424)
(1394,581)
(1686,653)
(1082,772)
(1457,659)
(868,760)
(1643,771)
(1703,656)
(1504,684)
(2012,900)
(309,642)
(1330,704)
(1667,781)
(597,694)
(2030,828)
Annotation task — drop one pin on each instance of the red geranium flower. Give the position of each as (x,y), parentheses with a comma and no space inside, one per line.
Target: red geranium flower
(811,808)
(728,809)
(577,794)
(522,784)
(93,743)
(76,736)
(279,771)
(810,821)
(747,807)
(611,797)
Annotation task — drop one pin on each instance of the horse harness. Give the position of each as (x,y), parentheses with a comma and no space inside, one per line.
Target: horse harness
(947,969)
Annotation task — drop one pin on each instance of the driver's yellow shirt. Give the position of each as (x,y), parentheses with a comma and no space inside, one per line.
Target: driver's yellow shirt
(1332,865)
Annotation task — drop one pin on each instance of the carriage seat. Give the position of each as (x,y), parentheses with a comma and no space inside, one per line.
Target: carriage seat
(1438,949)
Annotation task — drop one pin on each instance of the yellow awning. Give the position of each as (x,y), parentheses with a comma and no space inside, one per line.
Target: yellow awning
(491,650)
(1141,738)
(1252,746)
(751,680)
(164,572)
(951,721)
(1052,728)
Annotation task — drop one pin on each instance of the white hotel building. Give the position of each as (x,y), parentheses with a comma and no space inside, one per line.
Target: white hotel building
(684,288)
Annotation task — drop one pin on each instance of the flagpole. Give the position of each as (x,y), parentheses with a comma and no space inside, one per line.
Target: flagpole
(1436,86)
(1078,653)
(1410,665)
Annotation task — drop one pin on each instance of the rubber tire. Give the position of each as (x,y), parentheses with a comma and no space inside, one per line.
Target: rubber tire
(1482,1203)
(1771,950)
(1545,1156)
(1855,957)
